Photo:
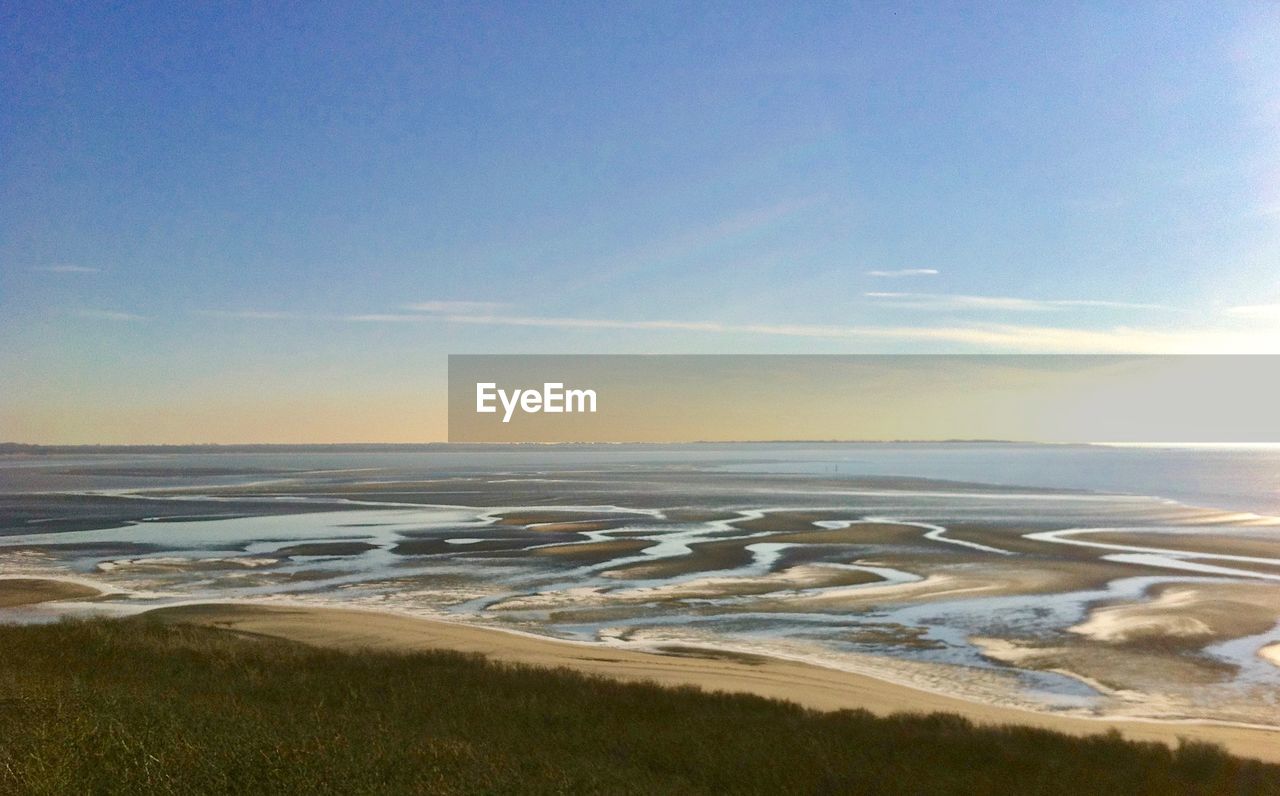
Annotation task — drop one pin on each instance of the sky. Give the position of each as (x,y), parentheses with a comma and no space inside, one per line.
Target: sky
(273,222)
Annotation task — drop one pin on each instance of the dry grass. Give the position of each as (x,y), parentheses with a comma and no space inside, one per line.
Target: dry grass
(139,707)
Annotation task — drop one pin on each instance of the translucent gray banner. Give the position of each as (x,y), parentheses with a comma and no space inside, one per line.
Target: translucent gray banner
(1044,398)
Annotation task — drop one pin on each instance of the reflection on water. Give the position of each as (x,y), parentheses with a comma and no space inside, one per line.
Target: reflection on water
(249,557)
(894,579)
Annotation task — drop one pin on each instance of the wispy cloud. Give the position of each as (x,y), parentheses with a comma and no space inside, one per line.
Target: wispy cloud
(418,311)
(992,337)
(677,249)
(905,272)
(1255,310)
(256,315)
(555,322)
(956,302)
(396,317)
(988,337)
(455,306)
(108,315)
(64,268)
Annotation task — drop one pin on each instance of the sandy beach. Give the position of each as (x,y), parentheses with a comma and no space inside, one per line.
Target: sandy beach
(808,685)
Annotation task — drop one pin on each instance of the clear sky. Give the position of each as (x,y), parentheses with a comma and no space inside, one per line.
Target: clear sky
(271,222)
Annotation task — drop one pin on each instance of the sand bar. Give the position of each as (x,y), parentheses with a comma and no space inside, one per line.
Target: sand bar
(1270,653)
(30,591)
(806,684)
(1211,612)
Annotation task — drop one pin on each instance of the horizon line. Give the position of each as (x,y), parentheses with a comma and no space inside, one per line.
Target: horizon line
(177,447)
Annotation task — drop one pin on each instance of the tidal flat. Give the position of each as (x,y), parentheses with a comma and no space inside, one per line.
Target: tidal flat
(1070,601)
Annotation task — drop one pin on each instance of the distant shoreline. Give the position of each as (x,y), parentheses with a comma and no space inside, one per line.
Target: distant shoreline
(21,448)
(37,449)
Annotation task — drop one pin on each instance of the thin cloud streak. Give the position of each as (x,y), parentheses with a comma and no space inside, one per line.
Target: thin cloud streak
(675,249)
(960,302)
(455,306)
(1001,337)
(1256,311)
(904,272)
(109,315)
(256,315)
(65,269)
(1010,338)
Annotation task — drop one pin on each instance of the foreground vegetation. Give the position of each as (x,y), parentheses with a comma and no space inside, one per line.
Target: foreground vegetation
(137,706)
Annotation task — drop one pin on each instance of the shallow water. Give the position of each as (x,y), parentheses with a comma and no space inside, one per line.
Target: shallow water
(759,600)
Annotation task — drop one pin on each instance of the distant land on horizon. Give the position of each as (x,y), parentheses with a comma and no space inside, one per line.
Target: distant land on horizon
(10,448)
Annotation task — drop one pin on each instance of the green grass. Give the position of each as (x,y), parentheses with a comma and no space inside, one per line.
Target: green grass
(137,707)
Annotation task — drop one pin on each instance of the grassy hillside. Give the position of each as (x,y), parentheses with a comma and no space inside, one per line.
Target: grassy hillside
(140,707)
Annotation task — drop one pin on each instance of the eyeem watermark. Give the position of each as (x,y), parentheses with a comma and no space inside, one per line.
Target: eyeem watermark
(553,398)
(688,398)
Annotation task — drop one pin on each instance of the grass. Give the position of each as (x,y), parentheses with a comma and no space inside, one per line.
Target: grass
(136,706)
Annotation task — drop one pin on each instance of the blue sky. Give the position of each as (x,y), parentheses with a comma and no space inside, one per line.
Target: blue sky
(304,204)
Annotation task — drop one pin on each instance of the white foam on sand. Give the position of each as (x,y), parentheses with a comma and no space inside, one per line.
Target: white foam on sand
(1271,653)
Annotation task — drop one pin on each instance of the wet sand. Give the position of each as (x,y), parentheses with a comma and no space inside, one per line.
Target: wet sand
(594,552)
(969,595)
(938,584)
(806,684)
(1262,543)
(1197,615)
(31,591)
